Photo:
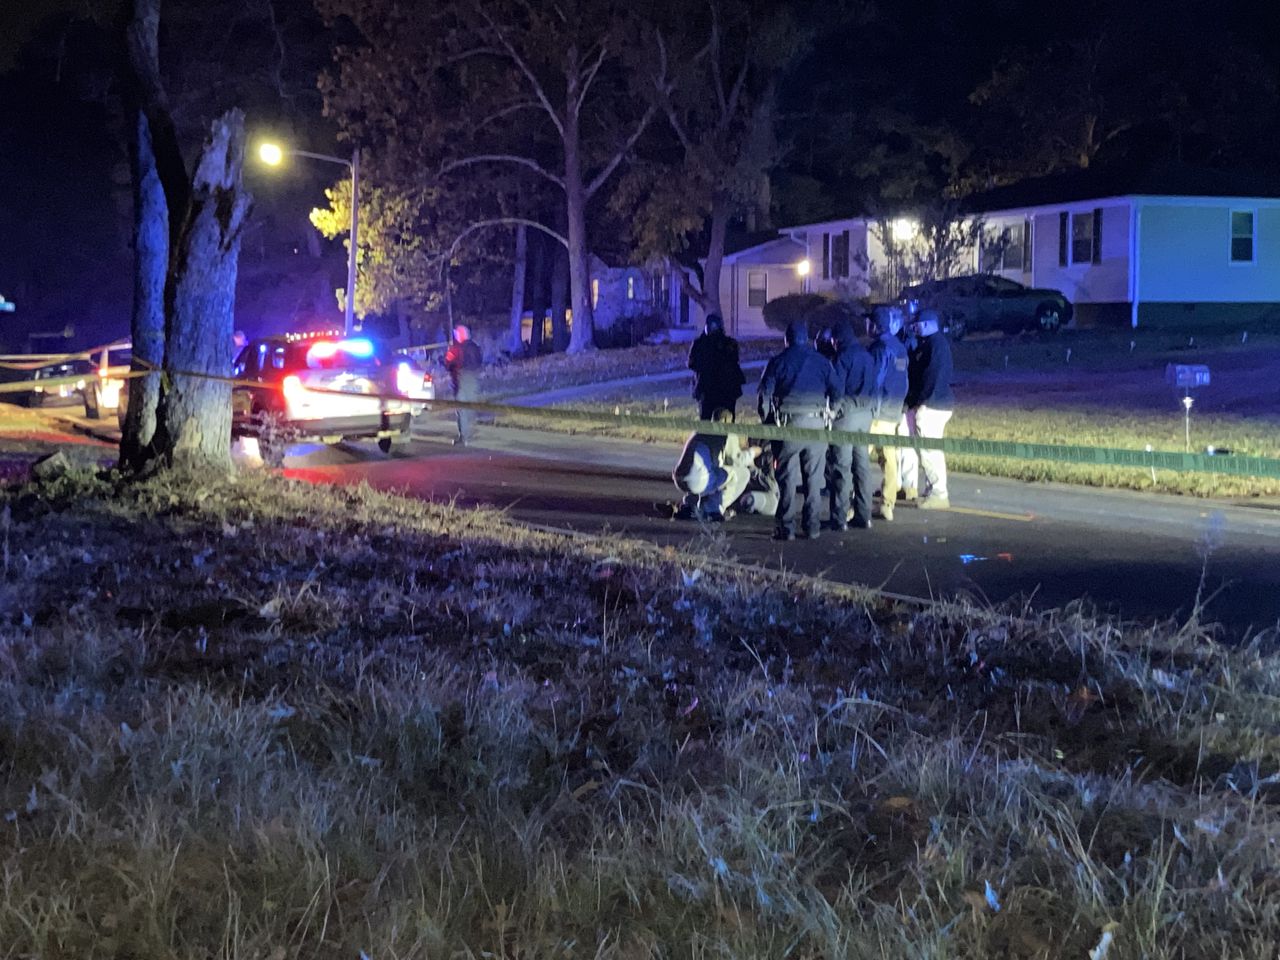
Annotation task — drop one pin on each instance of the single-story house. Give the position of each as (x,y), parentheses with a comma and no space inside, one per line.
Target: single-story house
(1159,245)
(749,279)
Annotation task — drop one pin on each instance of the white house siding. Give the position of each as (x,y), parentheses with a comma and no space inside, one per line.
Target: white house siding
(1101,289)
(829,272)
(1185,253)
(741,318)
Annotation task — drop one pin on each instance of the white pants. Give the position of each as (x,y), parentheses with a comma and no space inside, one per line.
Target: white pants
(908,462)
(930,424)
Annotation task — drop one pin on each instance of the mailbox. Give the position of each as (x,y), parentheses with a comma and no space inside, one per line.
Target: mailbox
(1187,376)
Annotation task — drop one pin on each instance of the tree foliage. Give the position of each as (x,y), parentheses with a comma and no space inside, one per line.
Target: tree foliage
(495,100)
(712,74)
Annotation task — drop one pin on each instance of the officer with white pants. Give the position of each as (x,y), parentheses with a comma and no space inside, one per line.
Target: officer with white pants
(930,404)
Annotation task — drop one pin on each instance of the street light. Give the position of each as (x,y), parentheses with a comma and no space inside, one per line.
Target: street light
(272,154)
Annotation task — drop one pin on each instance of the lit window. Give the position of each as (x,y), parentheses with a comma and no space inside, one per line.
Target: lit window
(1005,249)
(595,293)
(1242,236)
(757,288)
(1082,238)
(631,288)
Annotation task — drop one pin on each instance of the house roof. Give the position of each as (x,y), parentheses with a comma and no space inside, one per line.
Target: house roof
(1153,180)
(780,250)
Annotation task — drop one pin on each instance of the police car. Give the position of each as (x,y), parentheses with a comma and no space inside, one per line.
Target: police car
(324,387)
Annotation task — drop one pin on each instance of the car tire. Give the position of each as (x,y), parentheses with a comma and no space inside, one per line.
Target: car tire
(92,406)
(1049,318)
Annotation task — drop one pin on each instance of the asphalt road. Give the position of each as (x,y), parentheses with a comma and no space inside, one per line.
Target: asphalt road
(1138,556)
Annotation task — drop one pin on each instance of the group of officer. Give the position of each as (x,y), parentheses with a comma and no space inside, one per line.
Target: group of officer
(899,386)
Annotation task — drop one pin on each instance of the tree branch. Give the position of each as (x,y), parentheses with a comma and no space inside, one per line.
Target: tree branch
(591,76)
(523,66)
(618,157)
(513,158)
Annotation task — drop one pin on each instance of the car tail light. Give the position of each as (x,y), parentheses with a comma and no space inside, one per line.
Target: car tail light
(406,379)
(293,388)
(322,350)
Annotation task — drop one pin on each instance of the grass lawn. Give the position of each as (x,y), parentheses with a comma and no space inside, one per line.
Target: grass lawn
(561,370)
(257,719)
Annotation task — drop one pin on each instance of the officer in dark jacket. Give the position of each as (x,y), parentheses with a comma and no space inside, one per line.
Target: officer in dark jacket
(794,391)
(855,380)
(930,403)
(717,374)
(464,360)
(889,360)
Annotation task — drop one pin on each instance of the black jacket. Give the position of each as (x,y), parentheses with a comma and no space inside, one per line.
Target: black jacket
(796,382)
(889,360)
(929,371)
(855,377)
(717,374)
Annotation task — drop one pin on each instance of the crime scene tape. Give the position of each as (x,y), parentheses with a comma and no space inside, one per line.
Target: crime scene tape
(1232,465)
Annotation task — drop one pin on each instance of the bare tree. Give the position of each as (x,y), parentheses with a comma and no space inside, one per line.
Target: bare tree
(478,84)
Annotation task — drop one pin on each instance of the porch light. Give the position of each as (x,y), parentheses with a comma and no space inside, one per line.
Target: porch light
(905,229)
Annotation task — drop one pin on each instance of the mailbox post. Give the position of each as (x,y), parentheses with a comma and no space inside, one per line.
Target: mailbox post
(1187,377)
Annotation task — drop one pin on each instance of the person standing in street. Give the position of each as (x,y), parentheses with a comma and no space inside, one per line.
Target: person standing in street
(889,360)
(464,361)
(851,463)
(794,391)
(717,372)
(930,404)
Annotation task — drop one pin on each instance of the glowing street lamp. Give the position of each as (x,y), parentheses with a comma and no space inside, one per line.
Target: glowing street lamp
(273,155)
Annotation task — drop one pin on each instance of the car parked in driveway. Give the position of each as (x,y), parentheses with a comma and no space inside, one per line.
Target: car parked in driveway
(326,388)
(985,302)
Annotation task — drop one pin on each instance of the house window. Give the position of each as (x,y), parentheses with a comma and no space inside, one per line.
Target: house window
(631,288)
(1242,222)
(595,294)
(826,256)
(840,254)
(757,288)
(1085,237)
(1005,249)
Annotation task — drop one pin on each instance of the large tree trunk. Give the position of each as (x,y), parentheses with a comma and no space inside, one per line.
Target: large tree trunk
(710,298)
(560,298)
(195,423)
(538,292)
(582,337)
(515,336)
(151,255)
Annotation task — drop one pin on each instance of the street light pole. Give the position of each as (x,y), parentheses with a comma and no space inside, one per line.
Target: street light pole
(350,316)
(272,154)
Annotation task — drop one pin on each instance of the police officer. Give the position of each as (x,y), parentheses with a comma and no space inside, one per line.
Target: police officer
(717,373)
(930,403)
(889,360)
(464,360)
(851,463)
(794,391)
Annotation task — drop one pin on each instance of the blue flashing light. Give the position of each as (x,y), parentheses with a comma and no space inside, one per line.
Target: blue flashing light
(360,347)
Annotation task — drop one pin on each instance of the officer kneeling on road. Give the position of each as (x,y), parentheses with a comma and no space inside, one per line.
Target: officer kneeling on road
(713,472)
(796,387)
(930,403)
(855,382)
